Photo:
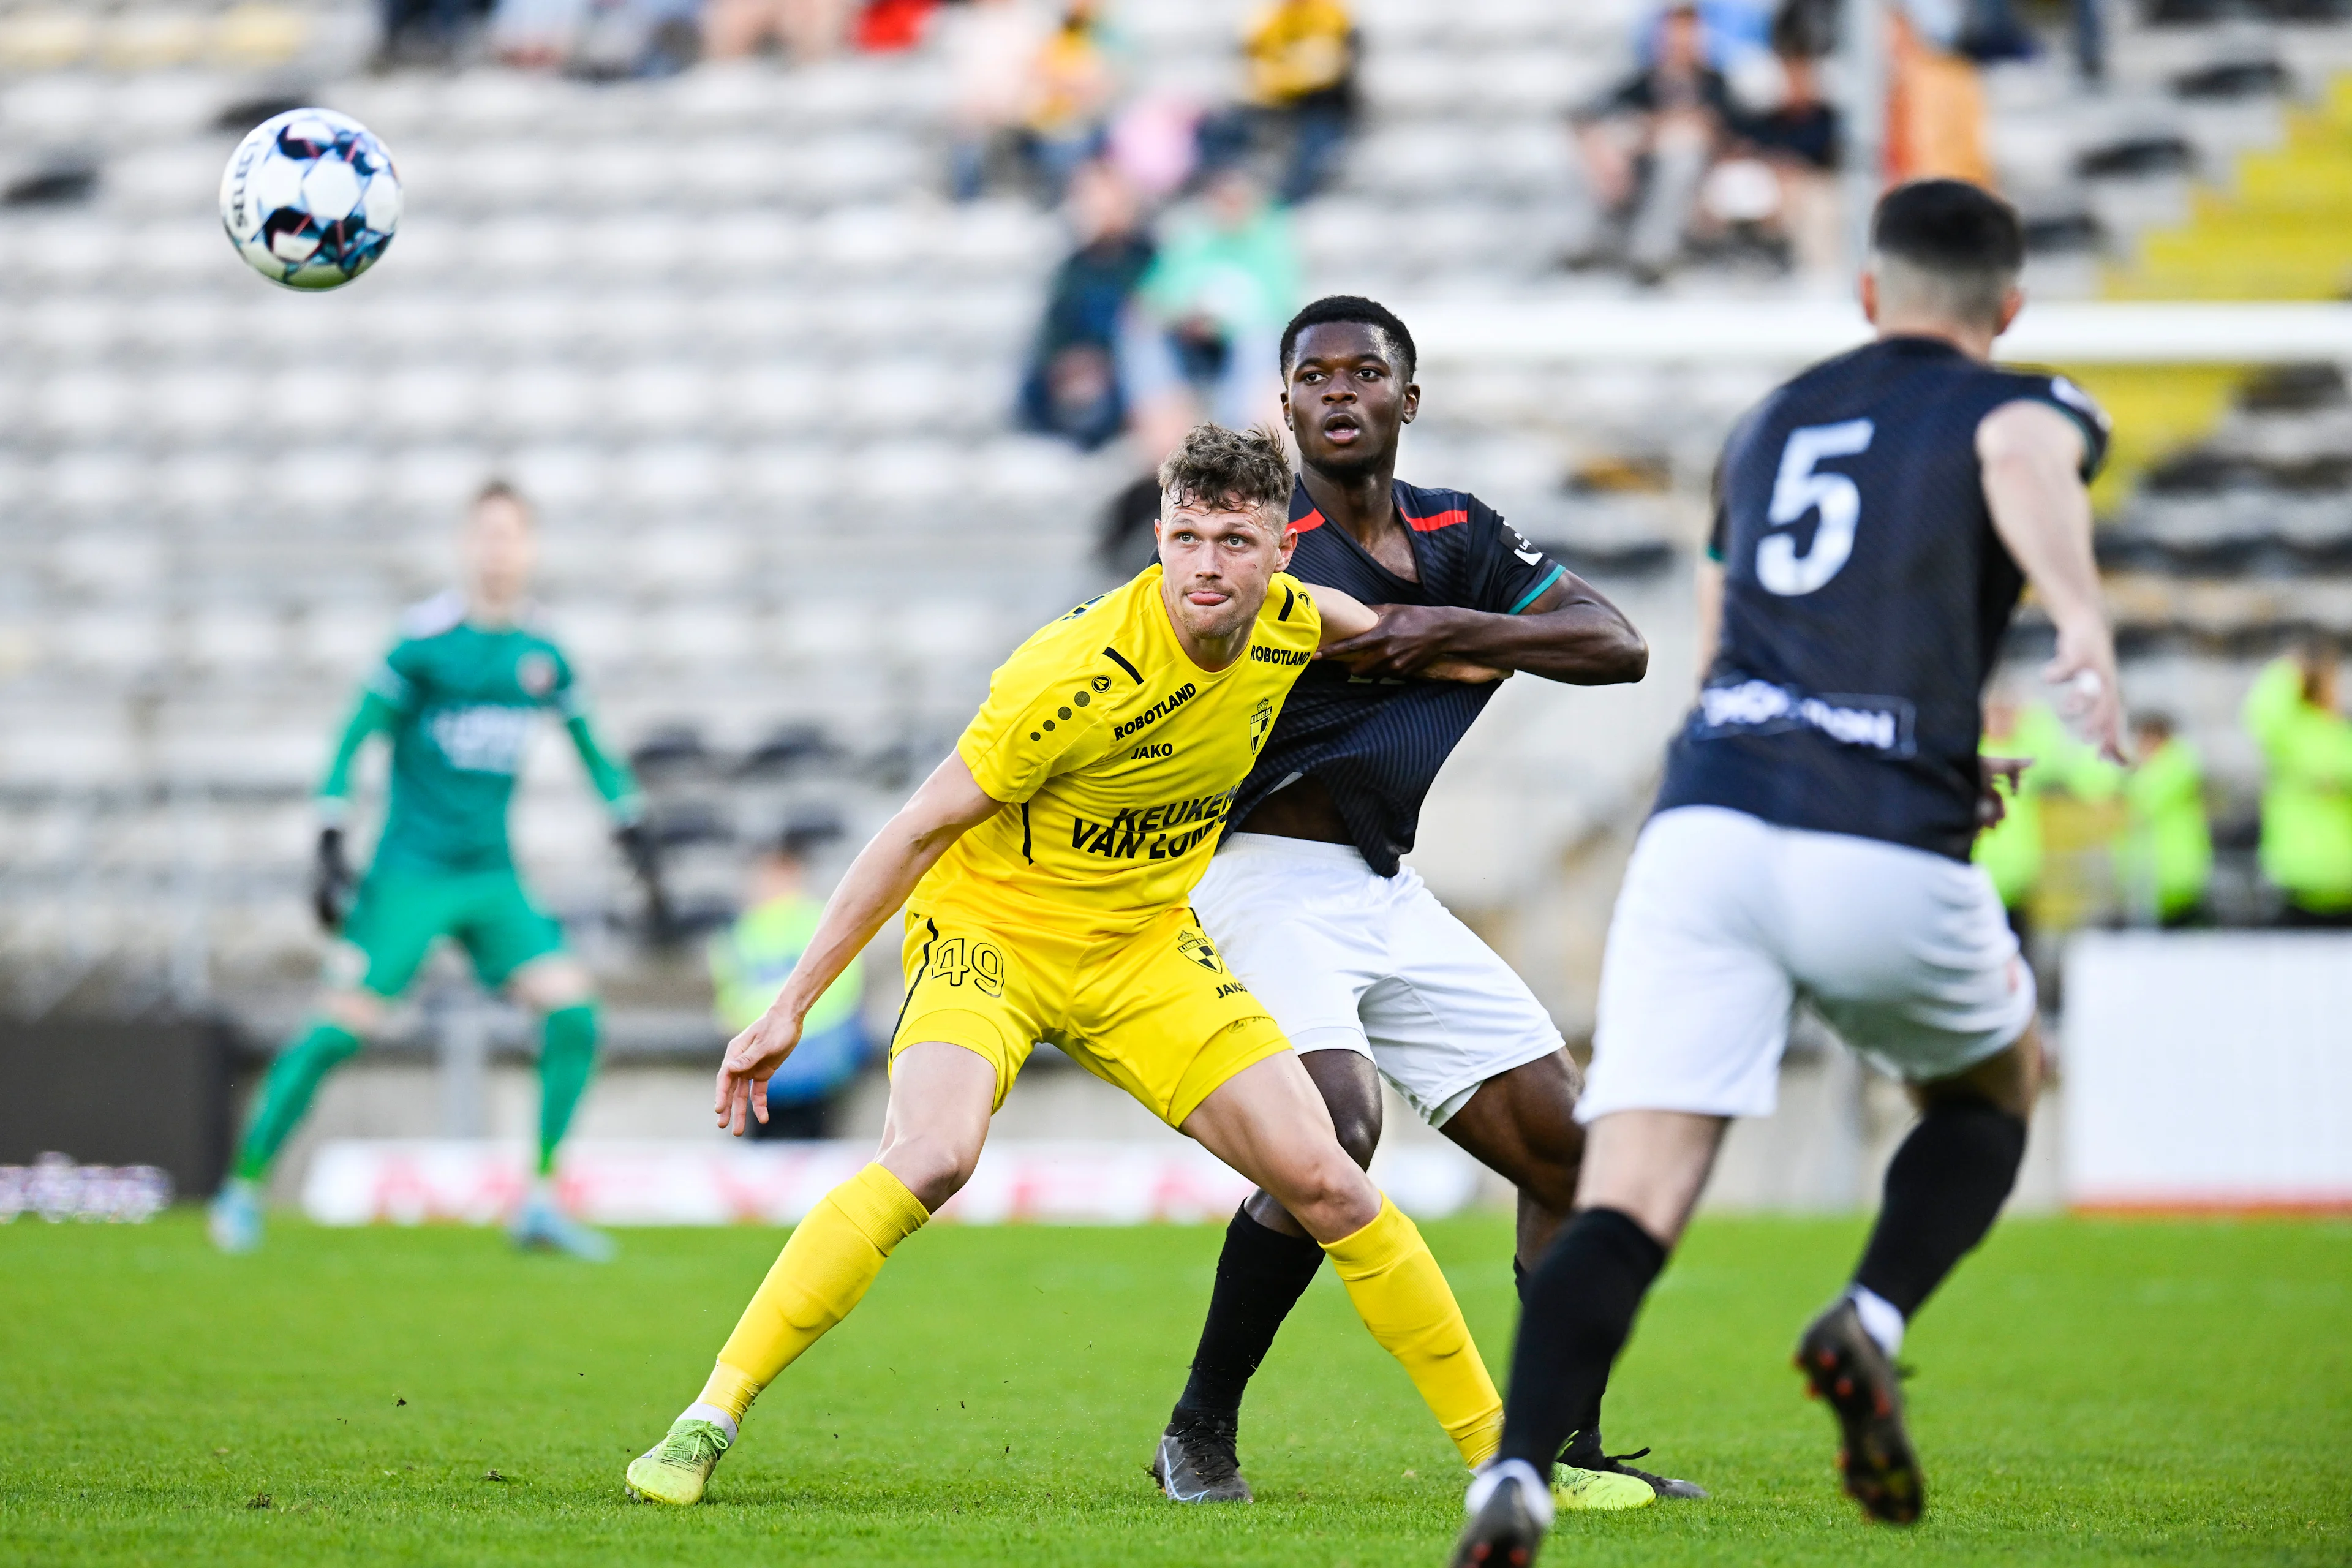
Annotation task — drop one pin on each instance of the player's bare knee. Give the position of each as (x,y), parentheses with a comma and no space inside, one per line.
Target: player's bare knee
(1328,1195)
(933,1167)
(357,1012)
(552,983)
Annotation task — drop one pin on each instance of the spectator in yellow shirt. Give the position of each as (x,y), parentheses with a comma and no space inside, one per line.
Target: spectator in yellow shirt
(1301,58)
(2306,741)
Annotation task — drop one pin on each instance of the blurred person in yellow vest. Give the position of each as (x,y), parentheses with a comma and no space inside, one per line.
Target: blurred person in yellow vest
(748,963)
(1072,81)
(2306,844)
(2010,851)
(2164,857)
(1301,60)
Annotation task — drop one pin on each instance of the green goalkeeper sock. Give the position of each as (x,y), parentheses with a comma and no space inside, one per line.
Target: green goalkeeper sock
(286,1093)
(567,1058)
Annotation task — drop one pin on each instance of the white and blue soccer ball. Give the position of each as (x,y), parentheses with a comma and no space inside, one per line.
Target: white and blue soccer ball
(311,198)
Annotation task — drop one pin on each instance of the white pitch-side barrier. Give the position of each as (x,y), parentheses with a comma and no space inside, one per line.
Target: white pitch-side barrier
(2209,1070)
(706,1182)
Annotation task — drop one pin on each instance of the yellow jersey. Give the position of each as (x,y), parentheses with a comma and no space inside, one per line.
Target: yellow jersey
(1117,758)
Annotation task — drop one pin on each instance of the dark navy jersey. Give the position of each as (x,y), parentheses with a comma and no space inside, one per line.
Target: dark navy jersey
(1377,745)
(1864,598)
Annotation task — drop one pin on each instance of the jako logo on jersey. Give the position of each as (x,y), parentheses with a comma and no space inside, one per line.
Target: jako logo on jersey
(1149,832)
(1156,711)
(485,738)
(535,673)
(1153,749)
(1195,946)
(1261,720)
(1260,654)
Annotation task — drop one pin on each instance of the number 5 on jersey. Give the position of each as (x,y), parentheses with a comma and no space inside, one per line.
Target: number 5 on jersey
(1799,488)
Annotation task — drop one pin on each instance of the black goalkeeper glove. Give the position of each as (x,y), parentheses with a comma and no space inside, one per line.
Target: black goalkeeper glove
(331,882)
(636,844)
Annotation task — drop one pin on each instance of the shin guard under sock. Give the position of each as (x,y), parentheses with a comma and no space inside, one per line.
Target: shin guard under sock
(1584,1435)
(567,1058)
(319,1049)
(1944,1190)
(1261,1274)
(833,1256)
(1581,1304)
(1403,1299)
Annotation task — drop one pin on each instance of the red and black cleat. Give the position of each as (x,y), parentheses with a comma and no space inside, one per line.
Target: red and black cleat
(1843,1365)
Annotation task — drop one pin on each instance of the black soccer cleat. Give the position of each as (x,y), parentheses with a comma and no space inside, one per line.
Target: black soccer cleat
(1510,1508)
(1843,1365)
(1586,1455)
(1197,1462)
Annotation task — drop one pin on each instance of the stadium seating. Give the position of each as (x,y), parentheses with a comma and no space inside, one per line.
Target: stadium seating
(757,370)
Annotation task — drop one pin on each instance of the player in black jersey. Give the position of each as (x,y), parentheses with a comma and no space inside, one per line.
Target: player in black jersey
(1876,518)
(1368,973)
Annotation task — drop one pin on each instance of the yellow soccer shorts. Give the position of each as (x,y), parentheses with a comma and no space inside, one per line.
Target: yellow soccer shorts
(1155,1011)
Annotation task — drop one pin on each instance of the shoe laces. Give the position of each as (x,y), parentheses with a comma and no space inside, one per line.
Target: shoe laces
(687,1439)
(1210,1444)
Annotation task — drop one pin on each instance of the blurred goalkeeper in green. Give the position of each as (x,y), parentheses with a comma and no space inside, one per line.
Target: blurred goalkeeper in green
(457,695)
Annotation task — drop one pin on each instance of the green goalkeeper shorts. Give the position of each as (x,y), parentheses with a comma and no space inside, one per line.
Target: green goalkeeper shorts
(400,914)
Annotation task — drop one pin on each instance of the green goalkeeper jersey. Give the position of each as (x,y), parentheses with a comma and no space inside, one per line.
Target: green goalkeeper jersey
(458,701)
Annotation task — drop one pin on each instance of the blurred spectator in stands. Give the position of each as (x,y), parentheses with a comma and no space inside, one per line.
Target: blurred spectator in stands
(1798,142)
(2163,862)
(1647,146)
(2010,851)
(427,32)
(749,964)
(1071,83)
(1301,57)
(1204,337)
(887,26)
(1155,144)
(1072,386)
(602,40)
(1935,103)
(2306,844)
(990,45)
(806,29)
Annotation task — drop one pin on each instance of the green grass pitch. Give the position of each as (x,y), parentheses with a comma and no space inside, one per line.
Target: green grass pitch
(2088,1392)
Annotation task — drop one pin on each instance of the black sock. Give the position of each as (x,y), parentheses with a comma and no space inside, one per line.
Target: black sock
(1584,1438)
(1944,1190)
(1580,1303)
(1261,1274)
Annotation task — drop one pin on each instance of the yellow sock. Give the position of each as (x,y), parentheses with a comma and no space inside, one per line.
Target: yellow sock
(1402,1297)
(833,1256)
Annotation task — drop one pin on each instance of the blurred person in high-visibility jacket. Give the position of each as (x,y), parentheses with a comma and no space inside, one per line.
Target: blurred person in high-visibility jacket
(2164,860)
(749,963)
(1301,57)
(2306,844)
(2011,850)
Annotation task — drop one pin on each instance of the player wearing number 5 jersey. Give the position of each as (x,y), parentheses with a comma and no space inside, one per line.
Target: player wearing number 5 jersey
(1044,869)
(1876,519)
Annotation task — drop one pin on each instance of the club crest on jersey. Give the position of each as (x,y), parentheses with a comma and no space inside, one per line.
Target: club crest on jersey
(1101,683)
(1195,946)
(535,673)
(1261,720)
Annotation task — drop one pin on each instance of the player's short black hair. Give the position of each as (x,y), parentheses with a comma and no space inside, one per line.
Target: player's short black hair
(1951,230)
(502,490)
(1948,225)
(1353,307)
(1247,467)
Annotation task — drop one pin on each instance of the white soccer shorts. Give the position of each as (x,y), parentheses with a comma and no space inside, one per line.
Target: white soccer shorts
(1725,920)
(1347,959)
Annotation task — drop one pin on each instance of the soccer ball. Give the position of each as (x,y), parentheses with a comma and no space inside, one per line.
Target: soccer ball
(311,198)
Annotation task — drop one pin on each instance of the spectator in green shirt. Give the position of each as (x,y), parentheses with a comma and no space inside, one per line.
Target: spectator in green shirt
(2306,844)
(750,962)
(2011,850)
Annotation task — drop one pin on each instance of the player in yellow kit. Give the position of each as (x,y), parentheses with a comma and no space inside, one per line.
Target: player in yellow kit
(1044,869)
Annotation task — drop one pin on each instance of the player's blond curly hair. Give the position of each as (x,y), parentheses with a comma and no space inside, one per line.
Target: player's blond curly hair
(1231,467)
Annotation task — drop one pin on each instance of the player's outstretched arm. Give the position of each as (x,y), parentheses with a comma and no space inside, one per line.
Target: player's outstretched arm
(2031,458)
(1349,625)
(948,804)
(332,884)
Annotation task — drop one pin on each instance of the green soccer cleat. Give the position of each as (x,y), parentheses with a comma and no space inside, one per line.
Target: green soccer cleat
(1575,1490)
(233,1219)
(674,1469)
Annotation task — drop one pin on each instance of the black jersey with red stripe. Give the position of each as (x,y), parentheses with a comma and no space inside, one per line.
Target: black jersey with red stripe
(1376,745)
